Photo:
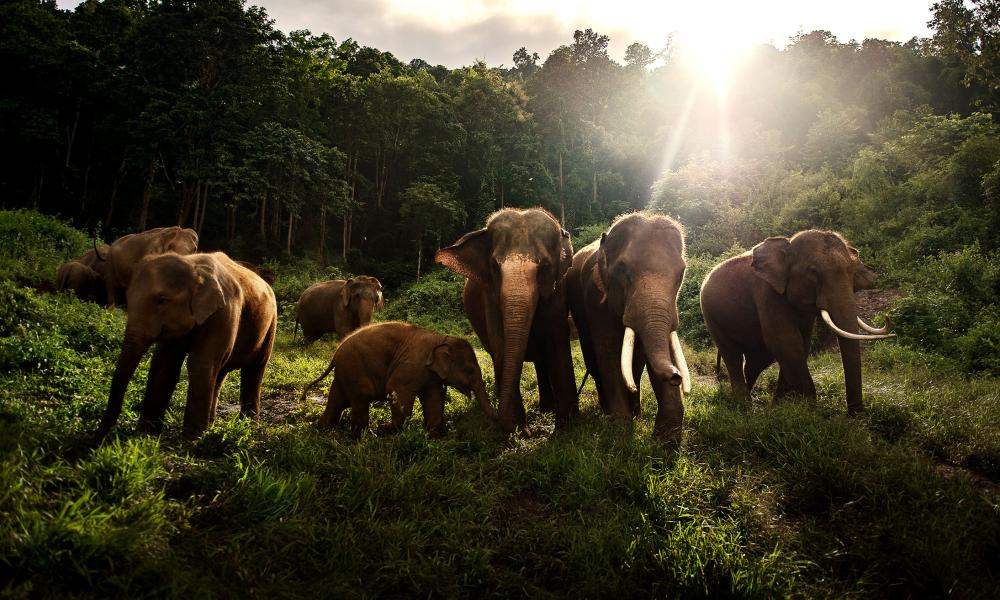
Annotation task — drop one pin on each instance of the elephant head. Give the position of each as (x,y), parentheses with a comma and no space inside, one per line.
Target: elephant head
(361,296)
(639,269)
(818,272)
(520,259)
(170,295)
(455,362)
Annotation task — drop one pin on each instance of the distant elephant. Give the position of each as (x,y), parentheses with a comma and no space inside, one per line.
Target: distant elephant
(515,298)
(203,306)
(125,253)
(83,281)
(266,273)
(623,287)
(338,305)
(400,362)
(760,307)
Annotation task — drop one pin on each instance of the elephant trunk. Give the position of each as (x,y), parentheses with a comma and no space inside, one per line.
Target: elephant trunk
(844,313)
(479,390)
(655,321)
(365,311)
(134,347)
(518,298)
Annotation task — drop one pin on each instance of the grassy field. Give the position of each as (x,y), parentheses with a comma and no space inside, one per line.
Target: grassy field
(762,500)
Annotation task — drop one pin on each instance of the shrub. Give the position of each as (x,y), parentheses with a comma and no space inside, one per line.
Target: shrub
(434,302)
(293,276)
(33,245)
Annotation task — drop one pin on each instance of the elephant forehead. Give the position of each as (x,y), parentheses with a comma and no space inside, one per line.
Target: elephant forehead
(168,270)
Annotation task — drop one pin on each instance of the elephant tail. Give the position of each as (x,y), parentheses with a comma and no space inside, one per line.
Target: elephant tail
(97,252)
(718,365)
(315,382)
(295,327)
(583,382)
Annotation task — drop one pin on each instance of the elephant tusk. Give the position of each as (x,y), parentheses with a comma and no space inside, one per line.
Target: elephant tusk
(852,336)
(628,347)
(682,365)
(872,329)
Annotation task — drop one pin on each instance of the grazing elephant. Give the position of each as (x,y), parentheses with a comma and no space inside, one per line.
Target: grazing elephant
(338,305)
(399,361)
(515,299)
(125,253)
(83,281)
(203,306)
(266,273)
(623,287)
(760,307)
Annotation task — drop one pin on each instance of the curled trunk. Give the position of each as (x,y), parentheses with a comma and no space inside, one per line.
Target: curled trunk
(133,349)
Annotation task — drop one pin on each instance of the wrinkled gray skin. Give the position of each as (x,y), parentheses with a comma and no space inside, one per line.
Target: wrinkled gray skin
(205,307)
(515,298)
(761,306)
(125,254)
(630,278)
(80,279)
(338,306)
(400,362)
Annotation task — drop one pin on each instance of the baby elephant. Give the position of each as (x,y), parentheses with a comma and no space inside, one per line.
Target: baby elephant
(399,361)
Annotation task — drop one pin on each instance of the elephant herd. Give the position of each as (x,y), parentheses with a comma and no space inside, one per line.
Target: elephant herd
(523,282)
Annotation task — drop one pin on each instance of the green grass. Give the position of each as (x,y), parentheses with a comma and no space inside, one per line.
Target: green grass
(762,500)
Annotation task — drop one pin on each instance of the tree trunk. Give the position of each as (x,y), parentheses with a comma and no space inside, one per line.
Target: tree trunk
(146,193)
(420,255)
(204,207)
(562,206)
(263,216)
(115,184)
(291,223)
(322,236)
(72,133)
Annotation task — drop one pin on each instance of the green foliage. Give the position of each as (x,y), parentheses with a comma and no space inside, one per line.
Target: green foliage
(33,245)
(435,301)
(692,323)
(293,276)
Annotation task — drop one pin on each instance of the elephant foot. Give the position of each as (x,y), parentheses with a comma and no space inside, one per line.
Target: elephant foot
(669,437)
(386,429)
(150,427)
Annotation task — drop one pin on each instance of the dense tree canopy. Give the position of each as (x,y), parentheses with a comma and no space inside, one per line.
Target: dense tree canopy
(126,114)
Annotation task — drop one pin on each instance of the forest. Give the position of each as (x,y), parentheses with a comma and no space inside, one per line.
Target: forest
(324,159)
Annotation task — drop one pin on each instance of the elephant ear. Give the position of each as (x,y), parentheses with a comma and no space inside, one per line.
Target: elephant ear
(345,293)
(770,262)
(469,256)
(565,254)
(208,296)
(439,360)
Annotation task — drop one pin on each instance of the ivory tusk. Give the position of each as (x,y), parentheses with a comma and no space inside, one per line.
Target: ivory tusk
(852,336)
(628,347)
(871,328)
(682,365)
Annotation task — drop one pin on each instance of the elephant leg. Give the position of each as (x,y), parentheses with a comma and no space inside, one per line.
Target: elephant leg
(432,400)
(219,380)
(251,379)
(203,374)
(359,415)
(669,413)
(164,372)
(546,398)
(755,365)
(336,403)
(400,407)
(561,374)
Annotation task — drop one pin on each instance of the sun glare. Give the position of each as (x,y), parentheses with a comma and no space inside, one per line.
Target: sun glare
(714,57)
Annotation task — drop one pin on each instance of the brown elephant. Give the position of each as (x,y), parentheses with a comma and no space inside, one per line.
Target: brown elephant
(125,253)
(203,306)
(760,307)
(515,298)
(83,281)
(338,305)
(399,361)
(623,295)
(266,273)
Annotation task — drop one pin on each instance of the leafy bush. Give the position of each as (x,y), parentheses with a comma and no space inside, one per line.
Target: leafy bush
(434,302)
(293,276)
(951,307)
(33,245)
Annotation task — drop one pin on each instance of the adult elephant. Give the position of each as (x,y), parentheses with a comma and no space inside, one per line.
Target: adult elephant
(125,253)
(623,296)
(760,307)
(338,305)
(515,298)
(203,306)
